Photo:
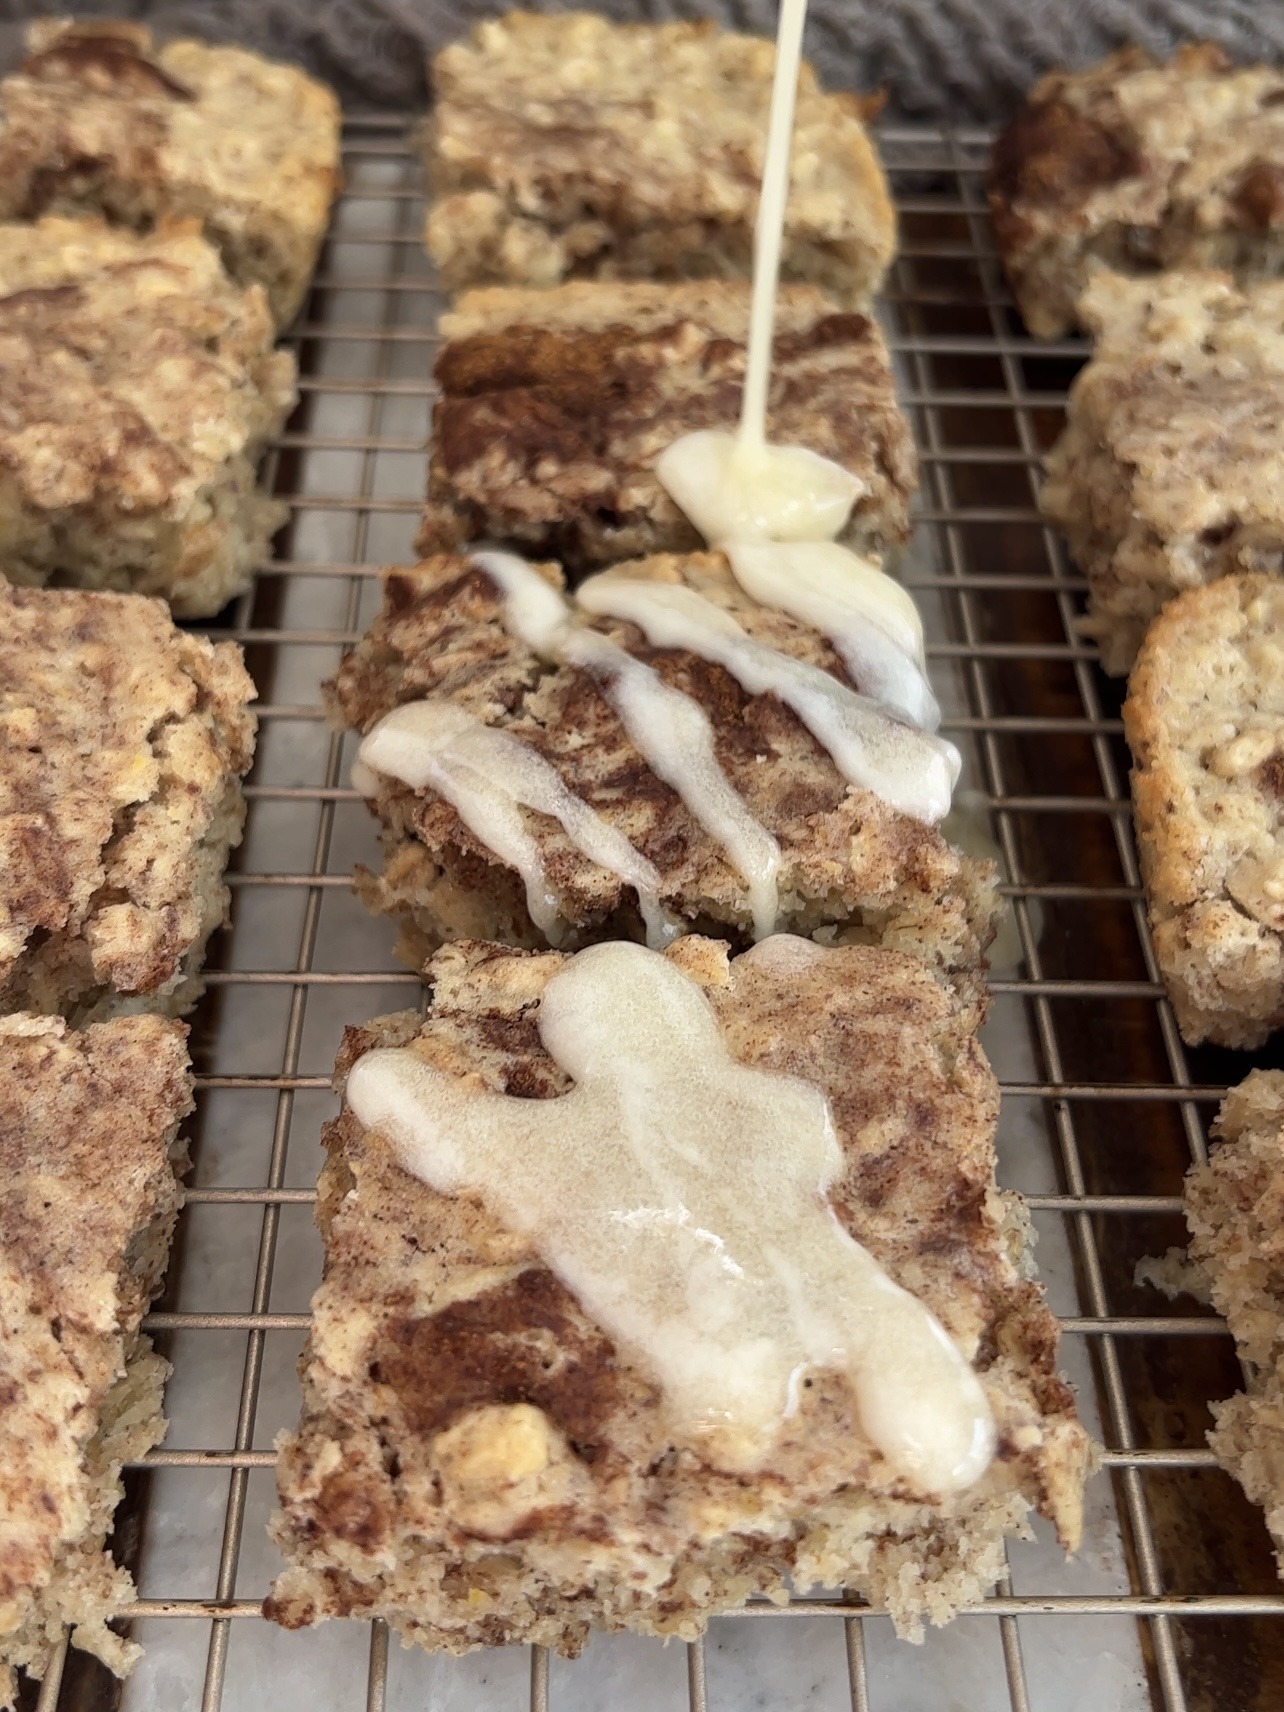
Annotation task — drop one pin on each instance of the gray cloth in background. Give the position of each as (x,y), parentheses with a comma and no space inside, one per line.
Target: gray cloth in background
(937,59)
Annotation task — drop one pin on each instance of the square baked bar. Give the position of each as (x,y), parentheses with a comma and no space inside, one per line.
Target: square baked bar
(851,866)
(479,1462)
(100,120)
(1168,473)
(140,388)
(122,745)
(1233,1207)
(1205,722)
(554,406)
(88,1198)
(567,145)
(1139,165)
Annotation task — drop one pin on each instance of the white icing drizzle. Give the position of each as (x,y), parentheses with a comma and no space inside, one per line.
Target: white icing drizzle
(363,779)
(419,757)
(674,736)
(769,228)
(669,730)
(488,775)
(907,768)
(534,611)
(870,619)
(683,1198)
(485,775)
(828,587)
(737,487)
(775,510)
(734,490)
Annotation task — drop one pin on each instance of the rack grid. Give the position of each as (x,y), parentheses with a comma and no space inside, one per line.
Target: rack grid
(1103,1107)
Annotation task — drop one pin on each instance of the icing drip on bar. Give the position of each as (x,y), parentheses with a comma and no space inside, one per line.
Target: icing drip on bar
(907,768)
(737,487)
(485,775)
(870,619)
(674,736)
(782,555)
(733,490)
(769,228)
(775,521)
(776,510)
(683,1198)
(534,611)
(668,729)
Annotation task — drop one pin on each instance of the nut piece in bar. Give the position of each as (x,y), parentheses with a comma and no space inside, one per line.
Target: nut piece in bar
(555,405)
(99,120)
(140,388)
(1205,722)
(1235,1210)
(851,866)
(123,741)
(570,146)
(1140,165)
(1168,472)
(88,1198)
(478,1461)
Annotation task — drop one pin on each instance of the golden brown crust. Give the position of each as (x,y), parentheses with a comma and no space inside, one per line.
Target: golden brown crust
(99,120)
(88,1198)
(439,1339)
(1205,722)
(1140,165)
(140,388)
(568,145)
(554,406)
(122,745)
(851,865)
(1235,1210)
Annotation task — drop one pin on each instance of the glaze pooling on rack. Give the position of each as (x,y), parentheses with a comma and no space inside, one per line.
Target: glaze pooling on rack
(714,1259)
(487,777)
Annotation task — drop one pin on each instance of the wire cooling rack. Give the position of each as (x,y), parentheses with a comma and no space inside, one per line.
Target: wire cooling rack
(1174,1603)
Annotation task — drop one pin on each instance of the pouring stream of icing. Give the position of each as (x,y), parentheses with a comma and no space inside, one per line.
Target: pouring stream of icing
(770,226)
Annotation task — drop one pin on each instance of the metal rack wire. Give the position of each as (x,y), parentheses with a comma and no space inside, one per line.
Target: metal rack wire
(1103,1108)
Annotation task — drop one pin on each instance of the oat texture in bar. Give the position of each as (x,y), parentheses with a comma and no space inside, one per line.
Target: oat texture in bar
(122,746)
(140,388)
(555,405)
(88,1198)
(1205,723)
(1168,474)
(850,865)
(477,1462)
(1140,165)
(100,120)
(1234,1207)
(570,146)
